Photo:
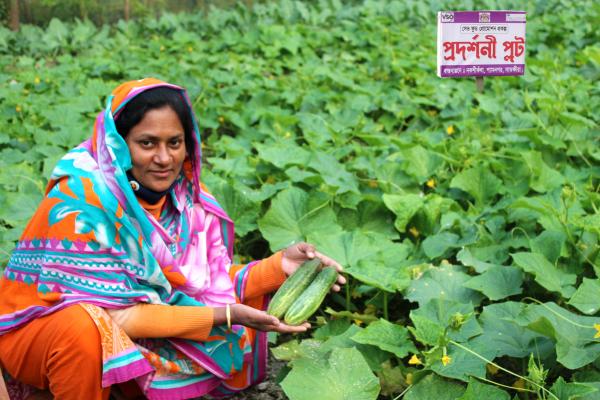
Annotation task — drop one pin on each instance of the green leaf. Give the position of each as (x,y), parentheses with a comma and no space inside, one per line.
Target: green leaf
(498,282)
(438,245)
(372,354)
(369,217)
(587,297)
(550,244)
(546,274)
(345,375)
(571,390)
(434,387)
(420,163)
(479,391)
(573,334)
(387,336)
(479,182)
(294,215)
(444,282)
(542,177)
(333,173)
(404,206)
(283,155)
(439,316)
(501,331)
(468,259)
(464,364)
(294,350)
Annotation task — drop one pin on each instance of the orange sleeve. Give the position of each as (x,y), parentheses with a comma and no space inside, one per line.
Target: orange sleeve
(261,278)
(164,321)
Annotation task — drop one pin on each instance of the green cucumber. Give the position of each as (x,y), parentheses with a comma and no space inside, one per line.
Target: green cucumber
(311,298)
(293,287)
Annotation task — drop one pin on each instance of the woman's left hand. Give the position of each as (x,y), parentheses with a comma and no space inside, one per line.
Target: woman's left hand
(298,253)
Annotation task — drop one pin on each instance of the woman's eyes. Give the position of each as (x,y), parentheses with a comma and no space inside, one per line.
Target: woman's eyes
(175,143)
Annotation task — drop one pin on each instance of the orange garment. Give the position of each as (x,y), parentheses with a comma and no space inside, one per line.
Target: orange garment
(60,352)
(160,321)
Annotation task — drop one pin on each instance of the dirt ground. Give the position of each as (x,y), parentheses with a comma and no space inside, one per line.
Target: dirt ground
(267,390)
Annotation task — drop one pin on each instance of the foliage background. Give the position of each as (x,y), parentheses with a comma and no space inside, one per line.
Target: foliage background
(468,222)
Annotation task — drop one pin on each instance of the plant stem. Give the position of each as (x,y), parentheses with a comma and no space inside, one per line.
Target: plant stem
(385,305)
(500,367)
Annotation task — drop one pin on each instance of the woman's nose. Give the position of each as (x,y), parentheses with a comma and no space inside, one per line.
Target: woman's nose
(162,155)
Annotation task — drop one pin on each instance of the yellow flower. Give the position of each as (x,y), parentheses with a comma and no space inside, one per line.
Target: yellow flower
(430,183)
(288,134)
(492,369)
(221,120)
(414,360)
(409,379)
(519,384)
(450,130)
(18,109)
(414,231)
(36,80)
(597,328)
(190,49)
(446,359)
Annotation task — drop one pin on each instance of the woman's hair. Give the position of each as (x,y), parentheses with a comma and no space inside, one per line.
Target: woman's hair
(133,112)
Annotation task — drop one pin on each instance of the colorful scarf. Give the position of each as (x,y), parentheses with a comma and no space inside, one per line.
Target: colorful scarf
(90,242)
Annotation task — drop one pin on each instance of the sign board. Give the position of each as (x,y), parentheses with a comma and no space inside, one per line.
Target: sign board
(481,43)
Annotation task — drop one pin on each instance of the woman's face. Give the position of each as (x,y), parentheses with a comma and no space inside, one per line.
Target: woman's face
(157,148)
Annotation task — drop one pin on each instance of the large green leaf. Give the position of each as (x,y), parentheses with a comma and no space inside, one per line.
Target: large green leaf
(444,282)
(571,390)
(438,245)
(294,215)
(542,177)
(465,363)
(501,330)
(404,206)
(587,297)
(497,282)
(439,317)
(479,391)
(479,182)
(435,387)
(546,274)
(573,334)
(345,375)
(387,336)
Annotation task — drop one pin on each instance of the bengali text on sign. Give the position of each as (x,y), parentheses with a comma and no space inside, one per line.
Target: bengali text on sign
(481,43)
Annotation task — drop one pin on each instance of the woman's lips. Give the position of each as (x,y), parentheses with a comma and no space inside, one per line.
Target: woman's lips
(162,174)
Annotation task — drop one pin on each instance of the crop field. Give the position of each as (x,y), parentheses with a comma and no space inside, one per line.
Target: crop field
(468,222)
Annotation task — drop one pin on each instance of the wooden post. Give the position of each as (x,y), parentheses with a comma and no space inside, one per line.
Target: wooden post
(127,8)
(479,83)
(14,15)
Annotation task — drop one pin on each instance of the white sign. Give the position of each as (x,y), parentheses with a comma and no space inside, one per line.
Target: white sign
(481,43)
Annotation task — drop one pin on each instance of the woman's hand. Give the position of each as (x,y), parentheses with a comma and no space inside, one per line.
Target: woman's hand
(298,253)
(242,314)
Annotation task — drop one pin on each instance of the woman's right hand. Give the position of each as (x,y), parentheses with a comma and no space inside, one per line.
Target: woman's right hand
(242,314)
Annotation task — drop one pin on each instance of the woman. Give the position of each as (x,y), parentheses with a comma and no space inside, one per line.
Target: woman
(128,245)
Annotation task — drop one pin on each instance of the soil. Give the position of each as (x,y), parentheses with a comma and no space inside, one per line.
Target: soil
(269,389)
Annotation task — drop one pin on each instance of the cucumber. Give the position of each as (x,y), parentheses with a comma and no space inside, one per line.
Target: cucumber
(311,298)
(293,287)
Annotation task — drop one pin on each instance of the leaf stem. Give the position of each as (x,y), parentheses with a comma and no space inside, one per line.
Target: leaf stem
(385,305)
(503,369)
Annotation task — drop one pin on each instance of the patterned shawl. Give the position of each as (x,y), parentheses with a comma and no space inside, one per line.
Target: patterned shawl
(90,242)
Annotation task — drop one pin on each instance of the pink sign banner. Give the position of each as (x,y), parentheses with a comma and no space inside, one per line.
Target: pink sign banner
(481,43)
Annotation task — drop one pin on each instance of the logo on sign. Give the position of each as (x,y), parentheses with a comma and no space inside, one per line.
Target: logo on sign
(484,17)
(447,17)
